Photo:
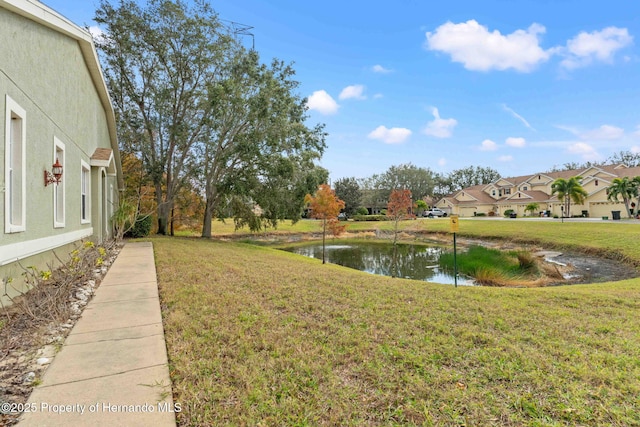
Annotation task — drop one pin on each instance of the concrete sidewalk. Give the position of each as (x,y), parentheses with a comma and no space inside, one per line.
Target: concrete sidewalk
(112,369)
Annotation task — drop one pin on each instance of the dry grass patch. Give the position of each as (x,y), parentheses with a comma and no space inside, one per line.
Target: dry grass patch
(258,336)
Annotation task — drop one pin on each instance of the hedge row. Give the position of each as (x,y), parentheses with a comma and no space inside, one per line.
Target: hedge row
(370,218)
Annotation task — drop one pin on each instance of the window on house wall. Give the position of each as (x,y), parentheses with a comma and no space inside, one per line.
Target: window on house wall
(15,183)
(525,188)
(596,182)
(85,191)
(58,189)
(493,192)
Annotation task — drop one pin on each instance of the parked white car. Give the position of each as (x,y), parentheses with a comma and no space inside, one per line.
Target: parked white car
(435,212)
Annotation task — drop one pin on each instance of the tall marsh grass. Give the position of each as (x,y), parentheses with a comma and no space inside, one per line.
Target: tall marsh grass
(492,267)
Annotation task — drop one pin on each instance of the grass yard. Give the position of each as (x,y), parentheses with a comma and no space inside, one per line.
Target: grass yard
(258,336)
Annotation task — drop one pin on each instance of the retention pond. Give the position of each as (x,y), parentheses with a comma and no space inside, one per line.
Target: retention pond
(421,262)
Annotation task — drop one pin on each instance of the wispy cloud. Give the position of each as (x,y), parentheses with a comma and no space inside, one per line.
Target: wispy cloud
(517,116)
(602,133)
(380,69)
(352,92)
(505,158)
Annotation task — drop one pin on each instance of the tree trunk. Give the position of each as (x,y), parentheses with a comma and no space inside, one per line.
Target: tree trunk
(206,223)
(163,218)
(172,221)
(324,233)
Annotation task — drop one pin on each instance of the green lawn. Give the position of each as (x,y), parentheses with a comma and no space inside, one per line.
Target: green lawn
(258,336)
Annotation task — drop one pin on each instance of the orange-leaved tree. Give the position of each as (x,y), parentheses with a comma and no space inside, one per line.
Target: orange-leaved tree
(326,206)
(399,207)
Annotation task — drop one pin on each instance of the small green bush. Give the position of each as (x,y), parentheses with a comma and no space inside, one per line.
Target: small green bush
(141,228)
(362,211)
(508,212)
(481,214)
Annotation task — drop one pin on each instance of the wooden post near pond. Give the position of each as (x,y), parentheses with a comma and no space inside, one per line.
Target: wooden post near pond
(454,221)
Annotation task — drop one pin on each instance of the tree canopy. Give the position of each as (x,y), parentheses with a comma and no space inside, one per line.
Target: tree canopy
(326,206)
(348,190)
(203,113)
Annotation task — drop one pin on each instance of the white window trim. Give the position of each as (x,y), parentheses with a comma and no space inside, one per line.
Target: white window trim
(12,108)
(59,146)
(85,167)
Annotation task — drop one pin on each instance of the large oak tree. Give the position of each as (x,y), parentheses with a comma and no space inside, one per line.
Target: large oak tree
(202,112)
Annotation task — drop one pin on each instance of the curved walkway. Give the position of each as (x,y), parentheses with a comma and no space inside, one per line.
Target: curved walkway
(112,369)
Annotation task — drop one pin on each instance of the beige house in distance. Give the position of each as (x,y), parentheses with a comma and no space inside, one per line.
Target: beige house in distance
(517,192)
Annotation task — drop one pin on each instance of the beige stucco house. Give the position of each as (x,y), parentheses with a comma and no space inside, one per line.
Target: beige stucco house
(517,192)
(55,110)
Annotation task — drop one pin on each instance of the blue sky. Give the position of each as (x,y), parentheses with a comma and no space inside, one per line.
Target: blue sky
(519,86)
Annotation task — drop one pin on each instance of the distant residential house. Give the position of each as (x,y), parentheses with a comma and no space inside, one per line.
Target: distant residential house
(373,202)
(55,111)
(517,192)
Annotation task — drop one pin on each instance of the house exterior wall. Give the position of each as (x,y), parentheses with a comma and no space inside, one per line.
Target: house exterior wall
(45,72)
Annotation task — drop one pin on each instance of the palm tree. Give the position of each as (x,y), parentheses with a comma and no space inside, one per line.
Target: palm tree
(625,188)
(532,207)
(636,183)
(568,190)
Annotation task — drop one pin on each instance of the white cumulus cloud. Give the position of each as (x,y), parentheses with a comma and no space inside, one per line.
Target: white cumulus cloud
(390,136)
(97,34)
(479,49)
(352,92)
(585,150)
(380,69)
(488,145)
(515,142)
(322,102)
(586,48)
(440,128)
(604,132)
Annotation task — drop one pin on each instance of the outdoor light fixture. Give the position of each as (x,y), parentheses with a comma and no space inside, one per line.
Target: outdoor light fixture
(55,175)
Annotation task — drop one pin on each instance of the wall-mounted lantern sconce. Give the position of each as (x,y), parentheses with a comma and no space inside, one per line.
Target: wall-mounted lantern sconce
(55,175)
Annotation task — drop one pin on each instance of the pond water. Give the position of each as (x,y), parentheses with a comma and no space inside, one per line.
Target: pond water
(412,261)
(421,262)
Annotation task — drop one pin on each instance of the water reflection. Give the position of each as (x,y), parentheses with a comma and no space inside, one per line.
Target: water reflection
(409,261)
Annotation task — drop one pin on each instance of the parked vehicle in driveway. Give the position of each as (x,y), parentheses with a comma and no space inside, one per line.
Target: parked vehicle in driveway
(435,212)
